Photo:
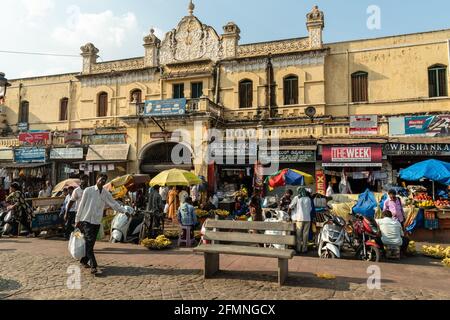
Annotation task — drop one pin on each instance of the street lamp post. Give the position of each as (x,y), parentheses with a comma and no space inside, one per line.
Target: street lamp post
(3,86)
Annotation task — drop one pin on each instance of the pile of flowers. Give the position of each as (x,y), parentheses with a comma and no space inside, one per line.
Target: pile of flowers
(159,243)
(201,213)
(172,234)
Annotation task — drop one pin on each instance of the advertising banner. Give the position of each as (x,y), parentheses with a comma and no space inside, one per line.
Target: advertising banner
(66,153)
(30,155)
(41,138)
(365,125)
(164,108)
(321,182)
(73,137)
(352,156)
(108,139)
(417,149)
(427,126)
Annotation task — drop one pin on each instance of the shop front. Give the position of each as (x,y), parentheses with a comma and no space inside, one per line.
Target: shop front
(108,159)
(360,165)
(65,160)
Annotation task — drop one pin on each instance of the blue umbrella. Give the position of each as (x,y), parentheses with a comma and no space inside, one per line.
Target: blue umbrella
(434,170)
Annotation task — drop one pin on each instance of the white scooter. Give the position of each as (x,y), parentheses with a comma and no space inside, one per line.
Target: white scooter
(6,222)
(332,238)
(121,224)
(276,216)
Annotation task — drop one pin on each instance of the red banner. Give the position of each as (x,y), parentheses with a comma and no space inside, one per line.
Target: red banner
(35,137)
(348,155)
(321,182)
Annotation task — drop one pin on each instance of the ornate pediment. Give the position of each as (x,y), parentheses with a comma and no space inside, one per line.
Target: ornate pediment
(190,41)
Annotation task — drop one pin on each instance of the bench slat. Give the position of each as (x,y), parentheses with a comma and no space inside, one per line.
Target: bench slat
(245,225)
(249,238)
(245,251)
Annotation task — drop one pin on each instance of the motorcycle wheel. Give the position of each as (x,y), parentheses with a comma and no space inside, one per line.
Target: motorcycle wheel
(372,254)
(327,254)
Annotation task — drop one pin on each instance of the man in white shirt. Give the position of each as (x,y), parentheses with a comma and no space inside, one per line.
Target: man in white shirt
(46,191)
(195,195)
(90,214)
(300,209)
(214,200)
(163,192)
(391,232)
(77,194)
(330,191)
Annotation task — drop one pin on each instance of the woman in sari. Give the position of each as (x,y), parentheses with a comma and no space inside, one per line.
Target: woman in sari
(22,210)
(174,203)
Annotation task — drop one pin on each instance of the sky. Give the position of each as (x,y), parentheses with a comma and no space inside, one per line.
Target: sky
(117,27)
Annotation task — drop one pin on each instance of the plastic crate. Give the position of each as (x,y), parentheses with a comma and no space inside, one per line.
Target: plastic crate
(432,224)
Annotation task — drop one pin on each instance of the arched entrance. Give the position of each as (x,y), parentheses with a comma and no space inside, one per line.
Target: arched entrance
(157,157)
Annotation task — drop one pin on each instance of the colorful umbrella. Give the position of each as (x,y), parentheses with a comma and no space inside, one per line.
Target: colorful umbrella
(289,177)
(176,177)
(65,184)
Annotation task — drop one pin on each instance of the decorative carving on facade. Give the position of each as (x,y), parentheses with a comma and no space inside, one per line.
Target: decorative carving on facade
(279,47)
(127,78)
(151,45)
(315,22)
(250,65)
(190,41)
(120,65)
(90,54)
(186,69)
(230,39)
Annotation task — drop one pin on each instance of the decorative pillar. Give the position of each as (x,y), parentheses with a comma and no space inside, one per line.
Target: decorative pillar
(151,45)
(230,40)
(89,53)
(315,22)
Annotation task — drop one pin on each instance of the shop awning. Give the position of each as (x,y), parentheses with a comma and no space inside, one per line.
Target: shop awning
(336,141)
(22,165)
(112,152)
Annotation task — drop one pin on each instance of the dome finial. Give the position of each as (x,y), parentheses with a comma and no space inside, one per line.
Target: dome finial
(191,8)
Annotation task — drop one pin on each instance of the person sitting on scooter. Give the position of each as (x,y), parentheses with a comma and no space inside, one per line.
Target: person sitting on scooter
(391,232)
(23,211)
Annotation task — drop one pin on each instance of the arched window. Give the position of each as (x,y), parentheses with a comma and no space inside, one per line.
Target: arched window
(290,85)
(102,107)
(136,96)
(437,81)
(246,94)
(360,86)
(24,112)
(63,109)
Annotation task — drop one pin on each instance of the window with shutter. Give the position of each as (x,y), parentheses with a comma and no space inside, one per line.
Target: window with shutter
(178,91)
(360,87)
(136,96)
(291,90)
(63,109)
(437,81)
(24,112)
(196,90)
(102,105)
(246,94)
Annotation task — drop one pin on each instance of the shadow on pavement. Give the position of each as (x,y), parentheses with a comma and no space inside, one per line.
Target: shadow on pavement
(111,271)
(7,286)
(141,251)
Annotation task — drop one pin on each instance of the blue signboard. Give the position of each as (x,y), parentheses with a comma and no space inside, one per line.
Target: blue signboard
(30,155)
(164,108)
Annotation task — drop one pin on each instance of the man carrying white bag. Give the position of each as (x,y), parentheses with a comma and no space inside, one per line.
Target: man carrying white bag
(77,245)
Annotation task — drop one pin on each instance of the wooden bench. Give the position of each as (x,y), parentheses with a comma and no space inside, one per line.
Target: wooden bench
(241,242)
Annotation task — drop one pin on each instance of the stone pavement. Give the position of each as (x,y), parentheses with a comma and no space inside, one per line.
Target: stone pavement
(37,269)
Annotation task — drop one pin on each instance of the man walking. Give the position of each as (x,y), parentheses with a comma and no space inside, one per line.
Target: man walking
(301,208)
(89,217)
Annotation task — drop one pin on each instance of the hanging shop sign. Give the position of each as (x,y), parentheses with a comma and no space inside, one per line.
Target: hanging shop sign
(417,149)
(109,139)
(74,137)
(289,156)
(352,156)
(163,108)
(22,126)
(321,182)
(35,138)
(7,154)
(66,153)
(428,126)
(365,125)
(30,155)
(117,152)
(164,135)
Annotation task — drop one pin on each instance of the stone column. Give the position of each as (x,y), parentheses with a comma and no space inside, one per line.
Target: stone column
(230,40)
(151,45)
(315,22)
(89,53)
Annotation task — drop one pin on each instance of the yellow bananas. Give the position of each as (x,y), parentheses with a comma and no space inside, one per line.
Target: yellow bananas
(412,248)
(159,243)
(437,252)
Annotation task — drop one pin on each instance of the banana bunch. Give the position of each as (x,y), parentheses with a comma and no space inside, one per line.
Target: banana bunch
(446,262)
(222,213)
(159,243)
(437,252)
(412,250)
(201,213)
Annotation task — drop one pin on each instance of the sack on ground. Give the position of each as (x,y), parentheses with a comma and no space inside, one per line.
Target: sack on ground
(77,245)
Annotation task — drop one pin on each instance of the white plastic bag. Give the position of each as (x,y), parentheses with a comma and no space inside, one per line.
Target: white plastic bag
(77,245)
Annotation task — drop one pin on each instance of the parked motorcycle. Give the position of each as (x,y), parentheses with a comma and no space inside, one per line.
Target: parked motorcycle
(126,228)
(7,220)
(361,233)
(332,237)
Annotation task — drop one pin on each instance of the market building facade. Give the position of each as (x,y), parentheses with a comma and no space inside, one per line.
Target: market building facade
(365,107)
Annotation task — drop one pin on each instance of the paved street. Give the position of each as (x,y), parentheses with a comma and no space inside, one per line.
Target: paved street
(37,269)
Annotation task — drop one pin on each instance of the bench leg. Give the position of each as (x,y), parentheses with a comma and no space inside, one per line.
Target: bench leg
(212,263)
(283,270)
